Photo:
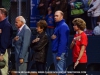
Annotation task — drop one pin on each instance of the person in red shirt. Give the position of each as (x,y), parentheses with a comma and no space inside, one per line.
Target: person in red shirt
(78,46)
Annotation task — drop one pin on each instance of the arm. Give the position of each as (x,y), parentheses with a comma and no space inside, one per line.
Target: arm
(82,49)
(94,6)
(80,55)
(72,44)
(43,41)
(74,41)
(81,52)
(25,44)
(5,37)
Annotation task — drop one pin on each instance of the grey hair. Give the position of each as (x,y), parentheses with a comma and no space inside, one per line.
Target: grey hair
(22,19)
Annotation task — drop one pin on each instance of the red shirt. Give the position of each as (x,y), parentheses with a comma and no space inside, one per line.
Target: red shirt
(77,47)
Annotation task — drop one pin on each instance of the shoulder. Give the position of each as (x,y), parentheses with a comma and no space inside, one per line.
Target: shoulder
(64,26)
(26,27)
(7,26)
(83,35)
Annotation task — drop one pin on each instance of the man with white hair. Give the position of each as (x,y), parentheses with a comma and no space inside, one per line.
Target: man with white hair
(21,43)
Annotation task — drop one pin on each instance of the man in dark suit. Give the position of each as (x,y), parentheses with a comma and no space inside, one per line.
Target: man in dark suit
(21,43)
(5,39)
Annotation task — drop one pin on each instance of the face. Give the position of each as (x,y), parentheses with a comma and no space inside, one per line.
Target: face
(1,16)
(58,17)
(75,28)
(18,23)
(39,30)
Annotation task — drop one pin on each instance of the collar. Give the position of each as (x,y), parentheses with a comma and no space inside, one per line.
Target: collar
(21,27)
(58,23)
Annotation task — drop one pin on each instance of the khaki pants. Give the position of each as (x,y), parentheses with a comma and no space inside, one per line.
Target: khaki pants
(4,71)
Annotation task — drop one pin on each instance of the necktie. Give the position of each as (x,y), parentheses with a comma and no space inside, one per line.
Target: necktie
(18,31)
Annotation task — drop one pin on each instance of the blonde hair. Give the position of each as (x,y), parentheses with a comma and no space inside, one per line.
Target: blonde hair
(80,23)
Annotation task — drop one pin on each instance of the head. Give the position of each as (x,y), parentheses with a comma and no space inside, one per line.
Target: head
(49,10)
(3,13)
(79,24)
(58,16)
(19,21)
(41,26)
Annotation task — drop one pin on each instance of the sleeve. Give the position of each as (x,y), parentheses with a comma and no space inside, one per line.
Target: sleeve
(63,41)
(26,43)
(43,42)
(5,37)
(84,40)
(96,30)
(94,6)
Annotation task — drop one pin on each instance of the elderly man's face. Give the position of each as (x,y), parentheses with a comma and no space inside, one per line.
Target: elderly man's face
(18,23)
(58,17)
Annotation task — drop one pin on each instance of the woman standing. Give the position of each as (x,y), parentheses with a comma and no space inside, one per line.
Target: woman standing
(78,45)
(40,47)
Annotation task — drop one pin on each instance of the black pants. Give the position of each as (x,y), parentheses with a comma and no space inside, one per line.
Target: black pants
(40,67)
(81,67)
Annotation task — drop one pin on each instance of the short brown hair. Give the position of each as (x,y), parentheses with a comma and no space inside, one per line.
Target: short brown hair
(42,24)
(3,11)
(80,23)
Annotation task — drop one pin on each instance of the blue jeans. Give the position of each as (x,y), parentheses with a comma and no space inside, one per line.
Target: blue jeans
(94,22)
(60,65)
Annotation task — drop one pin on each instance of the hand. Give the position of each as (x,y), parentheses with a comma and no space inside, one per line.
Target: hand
(77,38)
(58,2)
(16,38)
(41,4)
(58,58)
(21,61)
(76,63)
(53,36)
(1,58)
(36,40)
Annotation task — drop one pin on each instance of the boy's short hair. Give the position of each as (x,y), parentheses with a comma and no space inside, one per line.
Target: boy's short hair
(3,11)
(42,24)
(80,23)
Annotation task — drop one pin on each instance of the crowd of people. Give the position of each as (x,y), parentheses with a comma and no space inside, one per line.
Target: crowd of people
(88,10)
(59,44)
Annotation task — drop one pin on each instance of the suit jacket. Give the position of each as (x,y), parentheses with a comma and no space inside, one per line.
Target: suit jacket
(22,45)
